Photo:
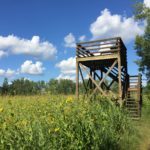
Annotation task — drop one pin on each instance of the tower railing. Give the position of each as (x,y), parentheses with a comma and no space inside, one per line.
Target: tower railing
(100,47)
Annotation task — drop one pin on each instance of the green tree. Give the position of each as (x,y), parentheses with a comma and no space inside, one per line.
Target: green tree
(52,86)
(66,86)
(5,87)
(142,43)
(24,87)
(62,86)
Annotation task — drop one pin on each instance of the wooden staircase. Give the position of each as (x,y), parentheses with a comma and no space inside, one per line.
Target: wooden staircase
(133,101)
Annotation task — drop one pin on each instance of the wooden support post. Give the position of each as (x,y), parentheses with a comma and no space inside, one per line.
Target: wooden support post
(82,79)
(77,79)
(119,77)
(90,79)
(140,92)
(102,85)
(94,77)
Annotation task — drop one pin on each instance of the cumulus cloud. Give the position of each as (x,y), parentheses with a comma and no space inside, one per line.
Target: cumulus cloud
(3,53)
(7,73)
(109,25)
(29,67)
(67,68)
(82,38)
(33,47)
(147,3)
(63,76)
(70,40)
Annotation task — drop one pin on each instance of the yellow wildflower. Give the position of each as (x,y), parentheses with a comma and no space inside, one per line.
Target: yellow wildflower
(56,129)
(1,109)
(49,131)
(69,99)
(24,122)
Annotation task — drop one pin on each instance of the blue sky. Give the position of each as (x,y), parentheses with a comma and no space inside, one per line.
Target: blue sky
(37,37)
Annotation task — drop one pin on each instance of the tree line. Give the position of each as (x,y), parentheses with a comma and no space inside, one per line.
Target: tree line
(63,86)
(27,87)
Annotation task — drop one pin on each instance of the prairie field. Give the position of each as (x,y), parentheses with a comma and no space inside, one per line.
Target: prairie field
(62,122)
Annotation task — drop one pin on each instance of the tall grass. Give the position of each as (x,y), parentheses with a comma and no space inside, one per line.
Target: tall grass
(60,122)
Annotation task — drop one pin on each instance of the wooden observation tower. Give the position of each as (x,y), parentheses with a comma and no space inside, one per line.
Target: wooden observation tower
(101,63)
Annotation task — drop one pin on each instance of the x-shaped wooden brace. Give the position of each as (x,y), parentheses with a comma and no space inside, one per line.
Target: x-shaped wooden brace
(85,69)
(102,80)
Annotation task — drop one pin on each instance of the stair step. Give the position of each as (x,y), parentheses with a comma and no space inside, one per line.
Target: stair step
(135,118)
(132,102)
(134,115)
(132,89)
(133,112)
(132,105)
(136,109)
(132,108)
(130,98)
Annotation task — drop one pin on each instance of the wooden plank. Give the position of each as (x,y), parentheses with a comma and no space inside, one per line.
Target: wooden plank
(101,57)
(77,80)
(104,48)
(100,79)
(85,52)
(90,79)
(119,76)
(132,89)
(100,44)
(111,75)
(79,54)
(101,40)
(84,68)
(83,79)
(83,49)
(113,65)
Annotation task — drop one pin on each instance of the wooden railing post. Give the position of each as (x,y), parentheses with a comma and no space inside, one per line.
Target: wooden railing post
(140,91)
(119,73)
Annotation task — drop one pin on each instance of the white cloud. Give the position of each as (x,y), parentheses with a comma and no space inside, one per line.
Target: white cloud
(67,68)
(3,53)
(147,3)
(70,40)
(33,47)
(109,25)
(82,38)
(2,72)
(7,73)
(62,76)
(29,67)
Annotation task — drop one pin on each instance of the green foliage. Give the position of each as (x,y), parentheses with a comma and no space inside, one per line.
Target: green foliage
(5,87)
(23,87)
(146,89)
(142,43)
(62,86)
(61,122)
(26,87)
